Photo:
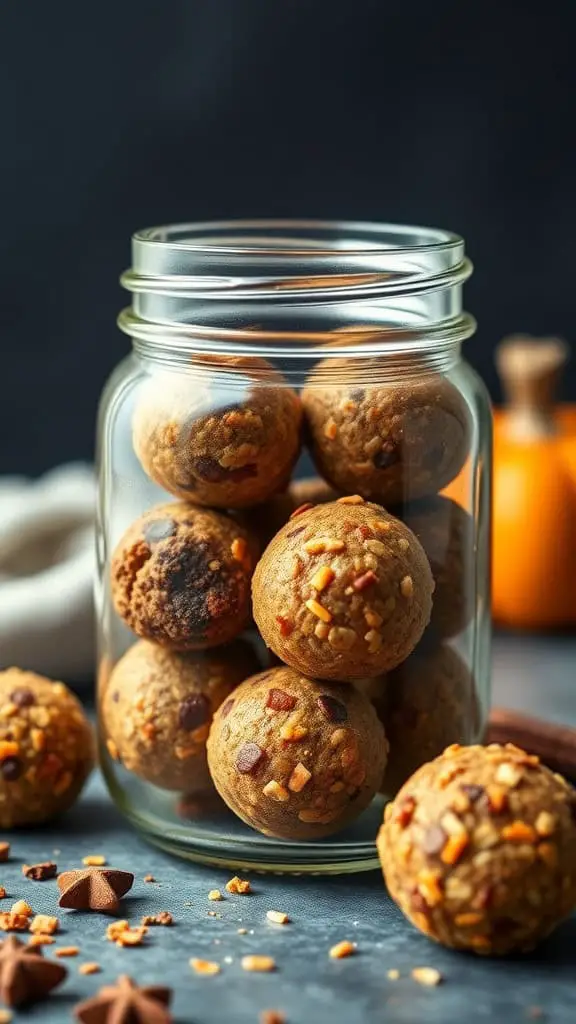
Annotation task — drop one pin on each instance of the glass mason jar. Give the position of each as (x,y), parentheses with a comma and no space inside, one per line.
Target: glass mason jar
(295,420)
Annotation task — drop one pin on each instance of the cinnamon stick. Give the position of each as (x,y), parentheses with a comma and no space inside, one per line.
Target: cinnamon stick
(554,744)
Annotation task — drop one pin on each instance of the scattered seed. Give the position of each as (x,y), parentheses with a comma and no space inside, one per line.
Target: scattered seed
(342,950)
(67,951)
(14,922)
(215,895)
(204,966)
(91,967)
(94,860)
(164,917)
(239,886)
(428,976)
(277,917)
(242,931)
(21,907)
(258,963)
(149,878)
(41,940)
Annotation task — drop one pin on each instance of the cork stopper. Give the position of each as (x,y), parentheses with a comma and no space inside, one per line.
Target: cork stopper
(530,370)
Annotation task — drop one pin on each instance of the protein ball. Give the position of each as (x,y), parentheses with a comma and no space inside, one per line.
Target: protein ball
(389,442)
(181,576)
(226,435)
(343,591)
(479,849)
(425,704)
(446,532)
(46,748)
(158,705)
(295,758)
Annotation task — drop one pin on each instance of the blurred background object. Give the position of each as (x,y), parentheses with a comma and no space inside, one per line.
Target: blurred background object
(119,116)
(534,499)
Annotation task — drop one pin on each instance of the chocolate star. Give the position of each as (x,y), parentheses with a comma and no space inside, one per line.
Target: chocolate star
(126,1003)
(25,975)
(94,889)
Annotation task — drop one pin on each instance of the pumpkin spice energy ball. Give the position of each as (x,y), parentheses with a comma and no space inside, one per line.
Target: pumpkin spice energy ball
(389,442)
(343,591)
(158,705)
(295,758)
(46,748)
(226,435)
(181,577)
(479,849)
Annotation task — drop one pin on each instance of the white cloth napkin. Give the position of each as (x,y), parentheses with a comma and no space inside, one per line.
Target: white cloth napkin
(47,566)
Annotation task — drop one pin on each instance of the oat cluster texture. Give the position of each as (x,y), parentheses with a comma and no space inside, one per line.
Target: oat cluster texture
(272,616)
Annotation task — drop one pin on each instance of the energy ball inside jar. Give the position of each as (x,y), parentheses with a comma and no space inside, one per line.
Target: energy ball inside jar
(46,748)
(181,576)
(479,849)
(343,591)
(390,441)
(295,758)
(446,532)
(425,704)
(158,705)
(227,435)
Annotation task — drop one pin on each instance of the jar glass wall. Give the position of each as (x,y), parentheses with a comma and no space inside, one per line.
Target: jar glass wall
(294,481)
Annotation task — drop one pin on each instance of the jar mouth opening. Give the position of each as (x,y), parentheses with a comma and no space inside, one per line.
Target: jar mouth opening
(293,239)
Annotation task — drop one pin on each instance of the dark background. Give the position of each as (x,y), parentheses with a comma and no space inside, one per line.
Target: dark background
(125,114)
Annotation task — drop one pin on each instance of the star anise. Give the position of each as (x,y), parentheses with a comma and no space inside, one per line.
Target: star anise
(25,975)
(94,889)
(126,1003)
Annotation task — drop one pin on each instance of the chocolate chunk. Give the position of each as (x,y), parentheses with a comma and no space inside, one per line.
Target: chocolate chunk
(472,791)
(332,709)
(279,700)
(385,458)
(40,872)
(434,840)
(358,394)
(196,595)
(22,697)
(194,711)
(116,696)
(227,707)
(159,529)
(210,470)
(11,768)
(249,758)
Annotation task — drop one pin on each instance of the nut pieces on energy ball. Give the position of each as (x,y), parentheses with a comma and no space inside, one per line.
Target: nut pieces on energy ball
(343,591)
(479,849)
(296,758)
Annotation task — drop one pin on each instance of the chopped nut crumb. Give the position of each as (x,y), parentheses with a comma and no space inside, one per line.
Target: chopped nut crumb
(292,732)
(277,917)
(351,499)
(4,852)
(393,974)
(341,638)
(67,951)
(45,924)
(407,587)
(239,886)
(322,578)
(131,937)
(545,823)
(341,950)
(508,774)
(276,792)
(14,922)
(21,907)
(204,966)
(215,895)
(334,546)
(149,878)
(164,917)
(426,976)
(299,777)
(94,860)
(91,967)
(258,963)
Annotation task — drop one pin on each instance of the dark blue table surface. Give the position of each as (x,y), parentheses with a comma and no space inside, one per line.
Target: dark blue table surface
(537,675)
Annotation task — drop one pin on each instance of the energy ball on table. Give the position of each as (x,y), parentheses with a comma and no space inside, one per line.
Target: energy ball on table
(389,442)
(479,849)
(425,704)
(343,591)
(46,748)
(227,435)
(181,576)
(446,532)
(158,705)
(295,758)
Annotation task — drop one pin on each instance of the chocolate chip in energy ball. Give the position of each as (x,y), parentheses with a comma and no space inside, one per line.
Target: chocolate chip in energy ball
(194,711)
(11,769)
(22,697)
(332,709)
(249,758)
(279,700)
